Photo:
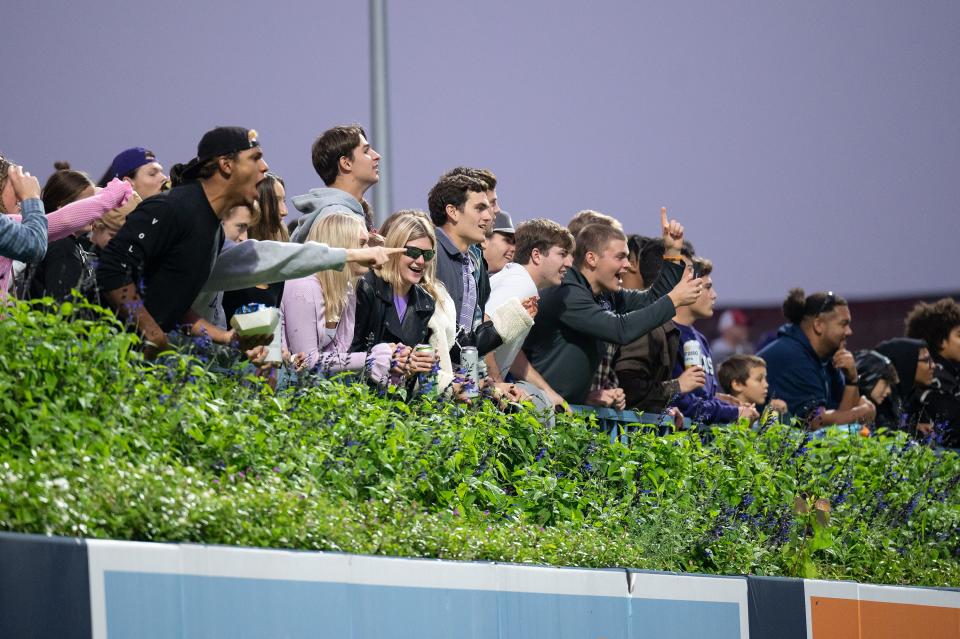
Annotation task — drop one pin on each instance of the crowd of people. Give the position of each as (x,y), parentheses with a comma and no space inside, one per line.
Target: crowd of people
(455,299)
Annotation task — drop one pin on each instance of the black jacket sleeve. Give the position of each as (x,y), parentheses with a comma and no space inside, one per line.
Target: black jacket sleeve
(581,313)
(669,276)
(365,318)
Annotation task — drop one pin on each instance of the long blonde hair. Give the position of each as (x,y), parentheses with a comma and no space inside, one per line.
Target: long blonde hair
(341,230)
(400,228)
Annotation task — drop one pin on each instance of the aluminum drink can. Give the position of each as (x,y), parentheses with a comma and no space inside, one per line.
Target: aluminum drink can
(470,362)
(692,355)
(426,377)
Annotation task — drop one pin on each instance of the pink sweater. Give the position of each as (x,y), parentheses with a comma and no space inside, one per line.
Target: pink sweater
(69,219)
(304,331)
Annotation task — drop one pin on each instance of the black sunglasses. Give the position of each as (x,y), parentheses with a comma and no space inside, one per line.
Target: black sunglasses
(413,253)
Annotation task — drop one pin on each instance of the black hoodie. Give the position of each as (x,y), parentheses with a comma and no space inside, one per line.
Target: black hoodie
(905,398)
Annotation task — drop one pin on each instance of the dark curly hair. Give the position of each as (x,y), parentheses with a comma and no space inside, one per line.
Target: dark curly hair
(452,189)
(933,322)
(484,175)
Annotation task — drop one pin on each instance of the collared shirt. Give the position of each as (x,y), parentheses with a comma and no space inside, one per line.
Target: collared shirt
(466,302)
(605,376)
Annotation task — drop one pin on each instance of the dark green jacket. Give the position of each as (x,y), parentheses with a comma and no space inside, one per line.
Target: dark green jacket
(564,344)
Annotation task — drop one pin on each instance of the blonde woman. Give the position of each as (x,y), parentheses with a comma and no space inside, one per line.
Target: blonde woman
(397,304)
(319,310)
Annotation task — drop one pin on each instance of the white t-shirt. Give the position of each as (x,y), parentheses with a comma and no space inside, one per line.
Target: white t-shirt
(512,281)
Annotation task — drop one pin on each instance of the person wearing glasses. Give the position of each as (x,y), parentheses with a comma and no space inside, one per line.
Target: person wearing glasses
(906,407)
(809,366)
(396,304)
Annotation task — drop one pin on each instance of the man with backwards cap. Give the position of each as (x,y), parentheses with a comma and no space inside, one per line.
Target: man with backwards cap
(159,261)
(140,168)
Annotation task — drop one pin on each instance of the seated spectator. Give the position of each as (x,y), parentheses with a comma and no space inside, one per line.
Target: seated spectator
(393,305)
(544,252)
(140,168)
(809,367)
(68,263)
(734,338)
(876,375)
(319,310)
(702,405)
(938,325)
(564,345)
(645,366)
(348,166)
(744,377)
(269,226)
(499,246)
(906,407)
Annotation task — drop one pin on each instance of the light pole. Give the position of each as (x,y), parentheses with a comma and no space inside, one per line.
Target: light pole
(379,92)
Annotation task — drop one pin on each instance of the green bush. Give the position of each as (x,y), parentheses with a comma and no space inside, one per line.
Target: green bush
(95,442)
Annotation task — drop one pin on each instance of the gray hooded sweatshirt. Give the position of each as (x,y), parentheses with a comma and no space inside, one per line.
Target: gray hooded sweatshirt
(320,202)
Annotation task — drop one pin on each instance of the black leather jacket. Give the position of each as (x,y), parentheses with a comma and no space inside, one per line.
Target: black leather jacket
(377,320)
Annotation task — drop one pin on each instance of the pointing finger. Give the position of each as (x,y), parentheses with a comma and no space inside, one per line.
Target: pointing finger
(663,217)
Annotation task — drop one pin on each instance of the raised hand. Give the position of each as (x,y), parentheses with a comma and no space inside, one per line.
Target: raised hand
(25,186)
(687,290)
(672,233)
(372,255)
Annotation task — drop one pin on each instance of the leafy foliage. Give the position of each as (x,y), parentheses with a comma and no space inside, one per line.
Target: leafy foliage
(96,442)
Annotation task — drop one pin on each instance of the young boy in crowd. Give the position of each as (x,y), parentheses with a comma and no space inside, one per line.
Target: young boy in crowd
(744,377)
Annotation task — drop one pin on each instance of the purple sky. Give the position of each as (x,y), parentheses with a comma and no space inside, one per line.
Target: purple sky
(811,144)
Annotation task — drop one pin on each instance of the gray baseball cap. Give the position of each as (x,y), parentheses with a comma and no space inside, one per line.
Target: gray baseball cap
(503,224)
